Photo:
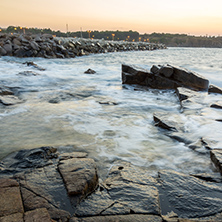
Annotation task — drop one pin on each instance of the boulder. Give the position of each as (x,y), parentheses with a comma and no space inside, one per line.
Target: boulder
(34,45)
(5,91)
(214,89)
(90,71)
(3,52)
(8,48)
(165,77)
(188,196)
(166,71)
(79,175)
(216,157)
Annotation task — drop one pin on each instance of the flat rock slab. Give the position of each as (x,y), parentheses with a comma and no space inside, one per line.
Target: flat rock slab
(123,192)
(214,89)
(38,215)
(216,157)
(79,175)
(11,201)
(118,218)
(216,105)
(18,217)
(187,196)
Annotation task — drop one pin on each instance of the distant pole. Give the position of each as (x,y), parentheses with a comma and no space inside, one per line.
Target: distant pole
(81,32)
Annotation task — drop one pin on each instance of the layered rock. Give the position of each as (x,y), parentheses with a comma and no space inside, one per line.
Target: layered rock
(163,77)
(48,46)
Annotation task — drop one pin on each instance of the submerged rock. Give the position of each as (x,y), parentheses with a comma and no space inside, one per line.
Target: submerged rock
(216,105)
(34,65)
(214,89)
(28,73)
(90,71)
(9,100)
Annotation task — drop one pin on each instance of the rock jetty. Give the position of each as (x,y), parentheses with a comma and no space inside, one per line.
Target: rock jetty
(48,46)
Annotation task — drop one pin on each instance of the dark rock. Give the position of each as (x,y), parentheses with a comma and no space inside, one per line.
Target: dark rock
(3,52)
(161,120)
(184,93)
(189,79)
(90,71)
(216,157)
(11,201)
(8,49)
(34,65)
(59,55)
(21,52)
(179,77)
(28,73)
(34,45)
(79,175)
(214,89)
(119,218)
(187,196)
(166,71)
(216,105)
(108,103)
(210,144)
(9,100)
(16,41)
(155,69)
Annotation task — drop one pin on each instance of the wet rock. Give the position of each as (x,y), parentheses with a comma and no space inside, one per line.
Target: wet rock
(216,105)
(187,196)
(28,73)
(214,89)
(34,158)
(40,214)
(216,157)
(9,100)
(210,144)
(162,121)
(155,69)
(122,218)
(34,65)
(90,71)
(123,192)
(8,48)
(17,217)
(184,93)
(5,91)
(108,103)
(66,156)
(166,71)
(79,175)
(11,201)
(170,77)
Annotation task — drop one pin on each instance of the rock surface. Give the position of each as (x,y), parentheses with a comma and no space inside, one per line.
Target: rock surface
(163,77)
(216,157)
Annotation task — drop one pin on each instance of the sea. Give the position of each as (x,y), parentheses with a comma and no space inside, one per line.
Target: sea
(95,113)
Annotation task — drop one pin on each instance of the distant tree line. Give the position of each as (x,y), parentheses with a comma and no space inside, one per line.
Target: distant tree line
(171,40)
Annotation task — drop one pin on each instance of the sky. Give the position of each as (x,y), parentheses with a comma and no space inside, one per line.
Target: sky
(194,17)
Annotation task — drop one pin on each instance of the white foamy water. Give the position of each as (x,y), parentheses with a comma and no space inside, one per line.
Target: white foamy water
(97,114)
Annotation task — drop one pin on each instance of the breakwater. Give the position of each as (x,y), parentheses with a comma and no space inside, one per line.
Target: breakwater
(48,46)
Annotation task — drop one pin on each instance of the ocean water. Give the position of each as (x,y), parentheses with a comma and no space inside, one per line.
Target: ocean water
(97,114)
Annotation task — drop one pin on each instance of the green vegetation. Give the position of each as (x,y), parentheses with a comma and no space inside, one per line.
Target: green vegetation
(173,40)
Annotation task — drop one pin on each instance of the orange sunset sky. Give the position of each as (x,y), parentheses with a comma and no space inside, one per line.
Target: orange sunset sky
(196,17)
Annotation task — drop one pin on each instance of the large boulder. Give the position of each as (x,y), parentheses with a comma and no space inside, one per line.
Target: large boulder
(165,77)
(216,157)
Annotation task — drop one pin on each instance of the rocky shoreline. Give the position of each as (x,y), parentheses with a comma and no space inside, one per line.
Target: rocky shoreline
(48,46)
(49,184)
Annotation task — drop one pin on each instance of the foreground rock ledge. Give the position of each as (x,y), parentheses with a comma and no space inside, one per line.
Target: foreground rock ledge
(127,194)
